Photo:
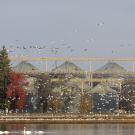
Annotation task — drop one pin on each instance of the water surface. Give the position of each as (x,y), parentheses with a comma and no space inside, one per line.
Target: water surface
(69,129)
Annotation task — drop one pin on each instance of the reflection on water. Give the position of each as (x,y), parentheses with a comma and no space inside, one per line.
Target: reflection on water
(69,129)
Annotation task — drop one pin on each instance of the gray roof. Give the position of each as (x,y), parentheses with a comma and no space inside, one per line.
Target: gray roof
(102,88)
(111,67)
(67,67)
(25,67)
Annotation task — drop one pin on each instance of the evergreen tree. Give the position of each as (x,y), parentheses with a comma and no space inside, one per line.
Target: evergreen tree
(4,76)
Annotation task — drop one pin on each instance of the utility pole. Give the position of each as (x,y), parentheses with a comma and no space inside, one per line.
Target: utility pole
(46,65)
(90,75)
(133,66)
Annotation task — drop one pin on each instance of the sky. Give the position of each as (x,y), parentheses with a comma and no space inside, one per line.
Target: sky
(75,28)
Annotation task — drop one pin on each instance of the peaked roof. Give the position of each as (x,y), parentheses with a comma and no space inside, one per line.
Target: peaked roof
(25,67)
(111,67)
(67,67)
(102,88)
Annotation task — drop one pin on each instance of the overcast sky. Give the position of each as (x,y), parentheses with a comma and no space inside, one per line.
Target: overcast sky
(93,28)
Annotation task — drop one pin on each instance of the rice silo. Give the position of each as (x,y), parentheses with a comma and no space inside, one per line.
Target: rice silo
(110,69)
(25,68)
(67,67)
(104,98)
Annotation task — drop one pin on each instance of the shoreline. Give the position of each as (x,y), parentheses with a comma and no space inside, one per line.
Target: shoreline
(66,119)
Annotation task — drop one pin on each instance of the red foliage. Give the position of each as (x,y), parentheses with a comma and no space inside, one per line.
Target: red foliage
(15,89)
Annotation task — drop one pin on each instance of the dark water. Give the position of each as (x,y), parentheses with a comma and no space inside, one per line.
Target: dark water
(69,129)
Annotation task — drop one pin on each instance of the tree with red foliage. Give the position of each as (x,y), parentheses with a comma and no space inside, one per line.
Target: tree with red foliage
(15,91)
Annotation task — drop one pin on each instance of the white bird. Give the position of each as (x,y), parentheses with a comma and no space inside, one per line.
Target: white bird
(39,132)
(6,132)
(100,24)
(28,132)
(1,132)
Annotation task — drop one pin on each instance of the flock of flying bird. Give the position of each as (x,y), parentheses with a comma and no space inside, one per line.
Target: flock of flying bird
(49,48)
(53,47)
(42,48)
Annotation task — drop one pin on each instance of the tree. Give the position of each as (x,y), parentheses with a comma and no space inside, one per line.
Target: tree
(15,92)
(55,104)
(4,76)
(85,104)
(43,86)
(127,98)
